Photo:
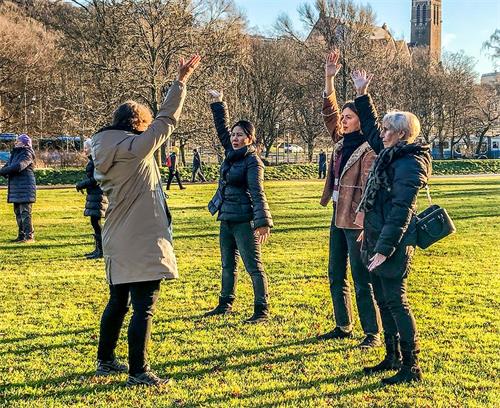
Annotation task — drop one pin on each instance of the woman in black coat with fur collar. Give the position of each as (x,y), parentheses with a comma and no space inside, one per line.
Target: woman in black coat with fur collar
(242,208)
(402,167)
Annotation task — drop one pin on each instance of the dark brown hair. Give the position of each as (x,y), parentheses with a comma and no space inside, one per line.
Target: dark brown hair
(351,106)
(247,127)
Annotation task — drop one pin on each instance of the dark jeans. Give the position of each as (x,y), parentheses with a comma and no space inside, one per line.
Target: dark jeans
(236,238)
(23,218)
(143,297)
(96,224)
(322,171)
(198,172)
(343,246)
(395,311)
(171,175)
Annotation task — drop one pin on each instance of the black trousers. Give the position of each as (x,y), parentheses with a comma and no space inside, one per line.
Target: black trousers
(397,317)
(96,225)
(143,297)
(344,247)
(236,239)
(171,175)
(23,219)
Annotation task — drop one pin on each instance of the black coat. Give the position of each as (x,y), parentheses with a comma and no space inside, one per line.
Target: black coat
(173,163)
(20,172)
(240,195)
(389,228)
(96,203)
(196,160)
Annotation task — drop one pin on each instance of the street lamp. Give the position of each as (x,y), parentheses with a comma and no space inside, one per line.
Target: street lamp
(277,127)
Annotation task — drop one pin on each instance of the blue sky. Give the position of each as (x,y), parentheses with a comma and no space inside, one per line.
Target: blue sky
(466,23)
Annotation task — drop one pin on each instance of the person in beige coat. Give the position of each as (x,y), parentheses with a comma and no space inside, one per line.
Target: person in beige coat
(137,234)
(347,173)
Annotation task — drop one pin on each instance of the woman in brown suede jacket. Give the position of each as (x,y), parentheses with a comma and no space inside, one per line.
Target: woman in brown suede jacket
(347,173)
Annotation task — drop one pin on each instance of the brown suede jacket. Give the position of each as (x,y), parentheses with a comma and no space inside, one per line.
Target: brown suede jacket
(354,175)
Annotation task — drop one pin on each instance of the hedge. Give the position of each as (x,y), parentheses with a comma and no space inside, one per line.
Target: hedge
(66,176)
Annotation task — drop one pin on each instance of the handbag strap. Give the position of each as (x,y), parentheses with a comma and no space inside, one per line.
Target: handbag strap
(428,192)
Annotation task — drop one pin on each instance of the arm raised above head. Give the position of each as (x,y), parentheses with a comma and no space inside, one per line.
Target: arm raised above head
(221,118)
(168,115)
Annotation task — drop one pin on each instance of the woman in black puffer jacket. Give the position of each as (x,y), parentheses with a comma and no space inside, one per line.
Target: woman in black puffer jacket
(389,206)
(243,211)
(95,204)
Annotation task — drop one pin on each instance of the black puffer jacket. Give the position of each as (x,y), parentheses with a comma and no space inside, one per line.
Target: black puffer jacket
(389,228)
(240,195)
(96,203)
(20,172)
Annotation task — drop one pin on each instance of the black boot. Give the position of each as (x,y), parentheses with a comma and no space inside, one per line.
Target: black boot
(98,248)
(260,313)
(224,307)
(392,360)
(409,371)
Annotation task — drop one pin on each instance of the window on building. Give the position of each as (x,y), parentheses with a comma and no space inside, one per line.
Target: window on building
(495,145)
(419,7)
(424,14)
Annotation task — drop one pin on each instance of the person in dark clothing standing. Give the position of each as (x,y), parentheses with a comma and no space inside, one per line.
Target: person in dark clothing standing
(96,202)
(242,209)
(197,170)
(322,164)
(19,171)
(347,173)
(388,207)
(173,170)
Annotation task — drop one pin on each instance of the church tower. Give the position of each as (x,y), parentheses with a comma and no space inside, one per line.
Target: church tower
(426,26)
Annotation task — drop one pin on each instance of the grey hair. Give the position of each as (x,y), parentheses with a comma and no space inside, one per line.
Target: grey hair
(405,122)
(87,144)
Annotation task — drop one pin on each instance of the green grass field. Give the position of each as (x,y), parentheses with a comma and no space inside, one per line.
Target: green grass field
(51,300)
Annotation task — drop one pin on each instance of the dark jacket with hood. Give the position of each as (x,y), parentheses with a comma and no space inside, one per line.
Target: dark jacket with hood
(20,172)
(96,202)
(389,227)
(240,194)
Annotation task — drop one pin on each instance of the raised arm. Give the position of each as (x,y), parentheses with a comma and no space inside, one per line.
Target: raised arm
(366,109)
(330,109)
(168,116)
(221,118)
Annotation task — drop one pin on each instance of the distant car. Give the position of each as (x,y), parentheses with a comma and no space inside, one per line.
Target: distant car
(290,148)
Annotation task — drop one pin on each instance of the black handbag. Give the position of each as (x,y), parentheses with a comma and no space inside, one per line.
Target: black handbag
(433,224)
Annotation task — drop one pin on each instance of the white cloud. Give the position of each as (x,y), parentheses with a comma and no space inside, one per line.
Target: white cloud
(447,39)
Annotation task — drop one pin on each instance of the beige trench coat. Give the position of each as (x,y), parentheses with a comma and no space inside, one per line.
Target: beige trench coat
(137,238)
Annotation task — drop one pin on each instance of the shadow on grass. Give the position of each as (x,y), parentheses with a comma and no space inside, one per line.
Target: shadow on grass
(41,385)
(31,336)
(304,386)
(22,351)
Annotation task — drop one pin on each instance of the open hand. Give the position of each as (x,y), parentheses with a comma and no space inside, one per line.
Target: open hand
(376,260)
(361,80)
(187,68)
(216,95)
(332,66)
(262,234)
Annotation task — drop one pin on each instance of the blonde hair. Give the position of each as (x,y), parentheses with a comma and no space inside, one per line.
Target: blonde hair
(132,115)
(405,122)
